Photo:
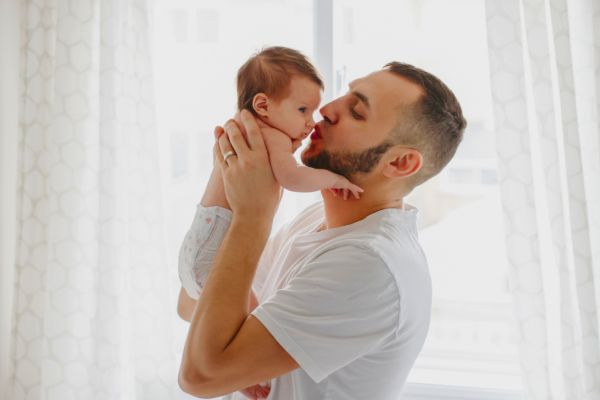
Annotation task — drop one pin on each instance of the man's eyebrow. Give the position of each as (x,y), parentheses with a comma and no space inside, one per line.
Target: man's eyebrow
(362,98)
(359,95)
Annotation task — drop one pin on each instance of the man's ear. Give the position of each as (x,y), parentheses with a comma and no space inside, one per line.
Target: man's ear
(403,163)
(261,104)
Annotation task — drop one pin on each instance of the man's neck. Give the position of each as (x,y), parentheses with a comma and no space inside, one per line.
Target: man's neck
(340,212)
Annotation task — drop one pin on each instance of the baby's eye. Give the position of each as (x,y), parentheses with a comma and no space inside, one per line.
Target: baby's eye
(302,110)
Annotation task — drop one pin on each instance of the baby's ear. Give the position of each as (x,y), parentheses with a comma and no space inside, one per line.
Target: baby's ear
(260,104)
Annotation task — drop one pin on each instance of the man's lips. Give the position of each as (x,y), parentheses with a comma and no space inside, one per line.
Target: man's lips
(316,134)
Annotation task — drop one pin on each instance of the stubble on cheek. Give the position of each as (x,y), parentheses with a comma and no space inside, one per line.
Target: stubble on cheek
(346,164)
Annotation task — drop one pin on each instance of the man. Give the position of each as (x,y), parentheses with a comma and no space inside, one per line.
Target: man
(343,294)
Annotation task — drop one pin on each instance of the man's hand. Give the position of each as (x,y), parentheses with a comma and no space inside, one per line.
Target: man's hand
(251,189)
(256,392)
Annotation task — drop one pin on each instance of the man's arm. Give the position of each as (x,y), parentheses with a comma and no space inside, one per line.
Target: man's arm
(226,349)
(214,195)
(186,305)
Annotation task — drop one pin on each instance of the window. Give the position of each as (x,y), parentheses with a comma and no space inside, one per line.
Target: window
(471,341)
(197,52)
(470,352)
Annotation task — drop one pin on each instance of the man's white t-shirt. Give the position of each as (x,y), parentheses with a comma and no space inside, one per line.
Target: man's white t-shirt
(351,305)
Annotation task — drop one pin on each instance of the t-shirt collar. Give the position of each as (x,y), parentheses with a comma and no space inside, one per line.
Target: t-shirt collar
(408,212)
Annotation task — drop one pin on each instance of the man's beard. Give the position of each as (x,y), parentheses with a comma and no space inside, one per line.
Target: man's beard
(348,164)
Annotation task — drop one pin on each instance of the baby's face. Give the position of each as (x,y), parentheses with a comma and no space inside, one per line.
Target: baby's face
(294,114)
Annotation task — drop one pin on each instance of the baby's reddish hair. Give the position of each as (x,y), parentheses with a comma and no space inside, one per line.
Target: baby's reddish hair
(270,72)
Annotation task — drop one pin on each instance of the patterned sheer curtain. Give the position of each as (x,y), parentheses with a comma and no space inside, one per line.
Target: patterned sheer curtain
(545,69)
(91,320)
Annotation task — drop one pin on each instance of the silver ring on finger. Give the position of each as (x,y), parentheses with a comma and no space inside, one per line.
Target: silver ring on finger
(228,154)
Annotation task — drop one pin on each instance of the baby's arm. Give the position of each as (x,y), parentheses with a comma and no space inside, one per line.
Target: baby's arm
(297,177)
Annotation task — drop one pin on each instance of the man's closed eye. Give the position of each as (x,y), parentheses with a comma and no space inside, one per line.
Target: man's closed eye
(356,115)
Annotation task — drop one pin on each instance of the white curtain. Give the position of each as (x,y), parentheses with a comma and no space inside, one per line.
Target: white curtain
(545,71)
(94,308)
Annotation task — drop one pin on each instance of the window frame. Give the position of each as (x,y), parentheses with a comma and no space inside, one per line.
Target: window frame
(428,391)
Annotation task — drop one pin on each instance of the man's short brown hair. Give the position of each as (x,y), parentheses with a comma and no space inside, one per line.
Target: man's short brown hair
(434,124)
(270,72)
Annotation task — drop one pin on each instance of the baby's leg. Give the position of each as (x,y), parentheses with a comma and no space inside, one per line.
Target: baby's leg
(214,194)
(200,246)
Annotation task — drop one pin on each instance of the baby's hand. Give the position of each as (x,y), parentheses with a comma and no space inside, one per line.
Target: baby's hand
(344,187)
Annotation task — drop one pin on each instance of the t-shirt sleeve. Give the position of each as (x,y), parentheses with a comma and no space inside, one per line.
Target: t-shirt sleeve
(335,310)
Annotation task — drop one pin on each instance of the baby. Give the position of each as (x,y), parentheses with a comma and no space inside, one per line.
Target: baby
(282,89)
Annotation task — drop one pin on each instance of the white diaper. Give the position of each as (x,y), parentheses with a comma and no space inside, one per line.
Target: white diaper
(200,246)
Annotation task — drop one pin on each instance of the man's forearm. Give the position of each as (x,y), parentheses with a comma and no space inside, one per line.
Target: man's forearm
(186,305)
(224,302)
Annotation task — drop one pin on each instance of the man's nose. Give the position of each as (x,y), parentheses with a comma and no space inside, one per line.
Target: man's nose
(329,113)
